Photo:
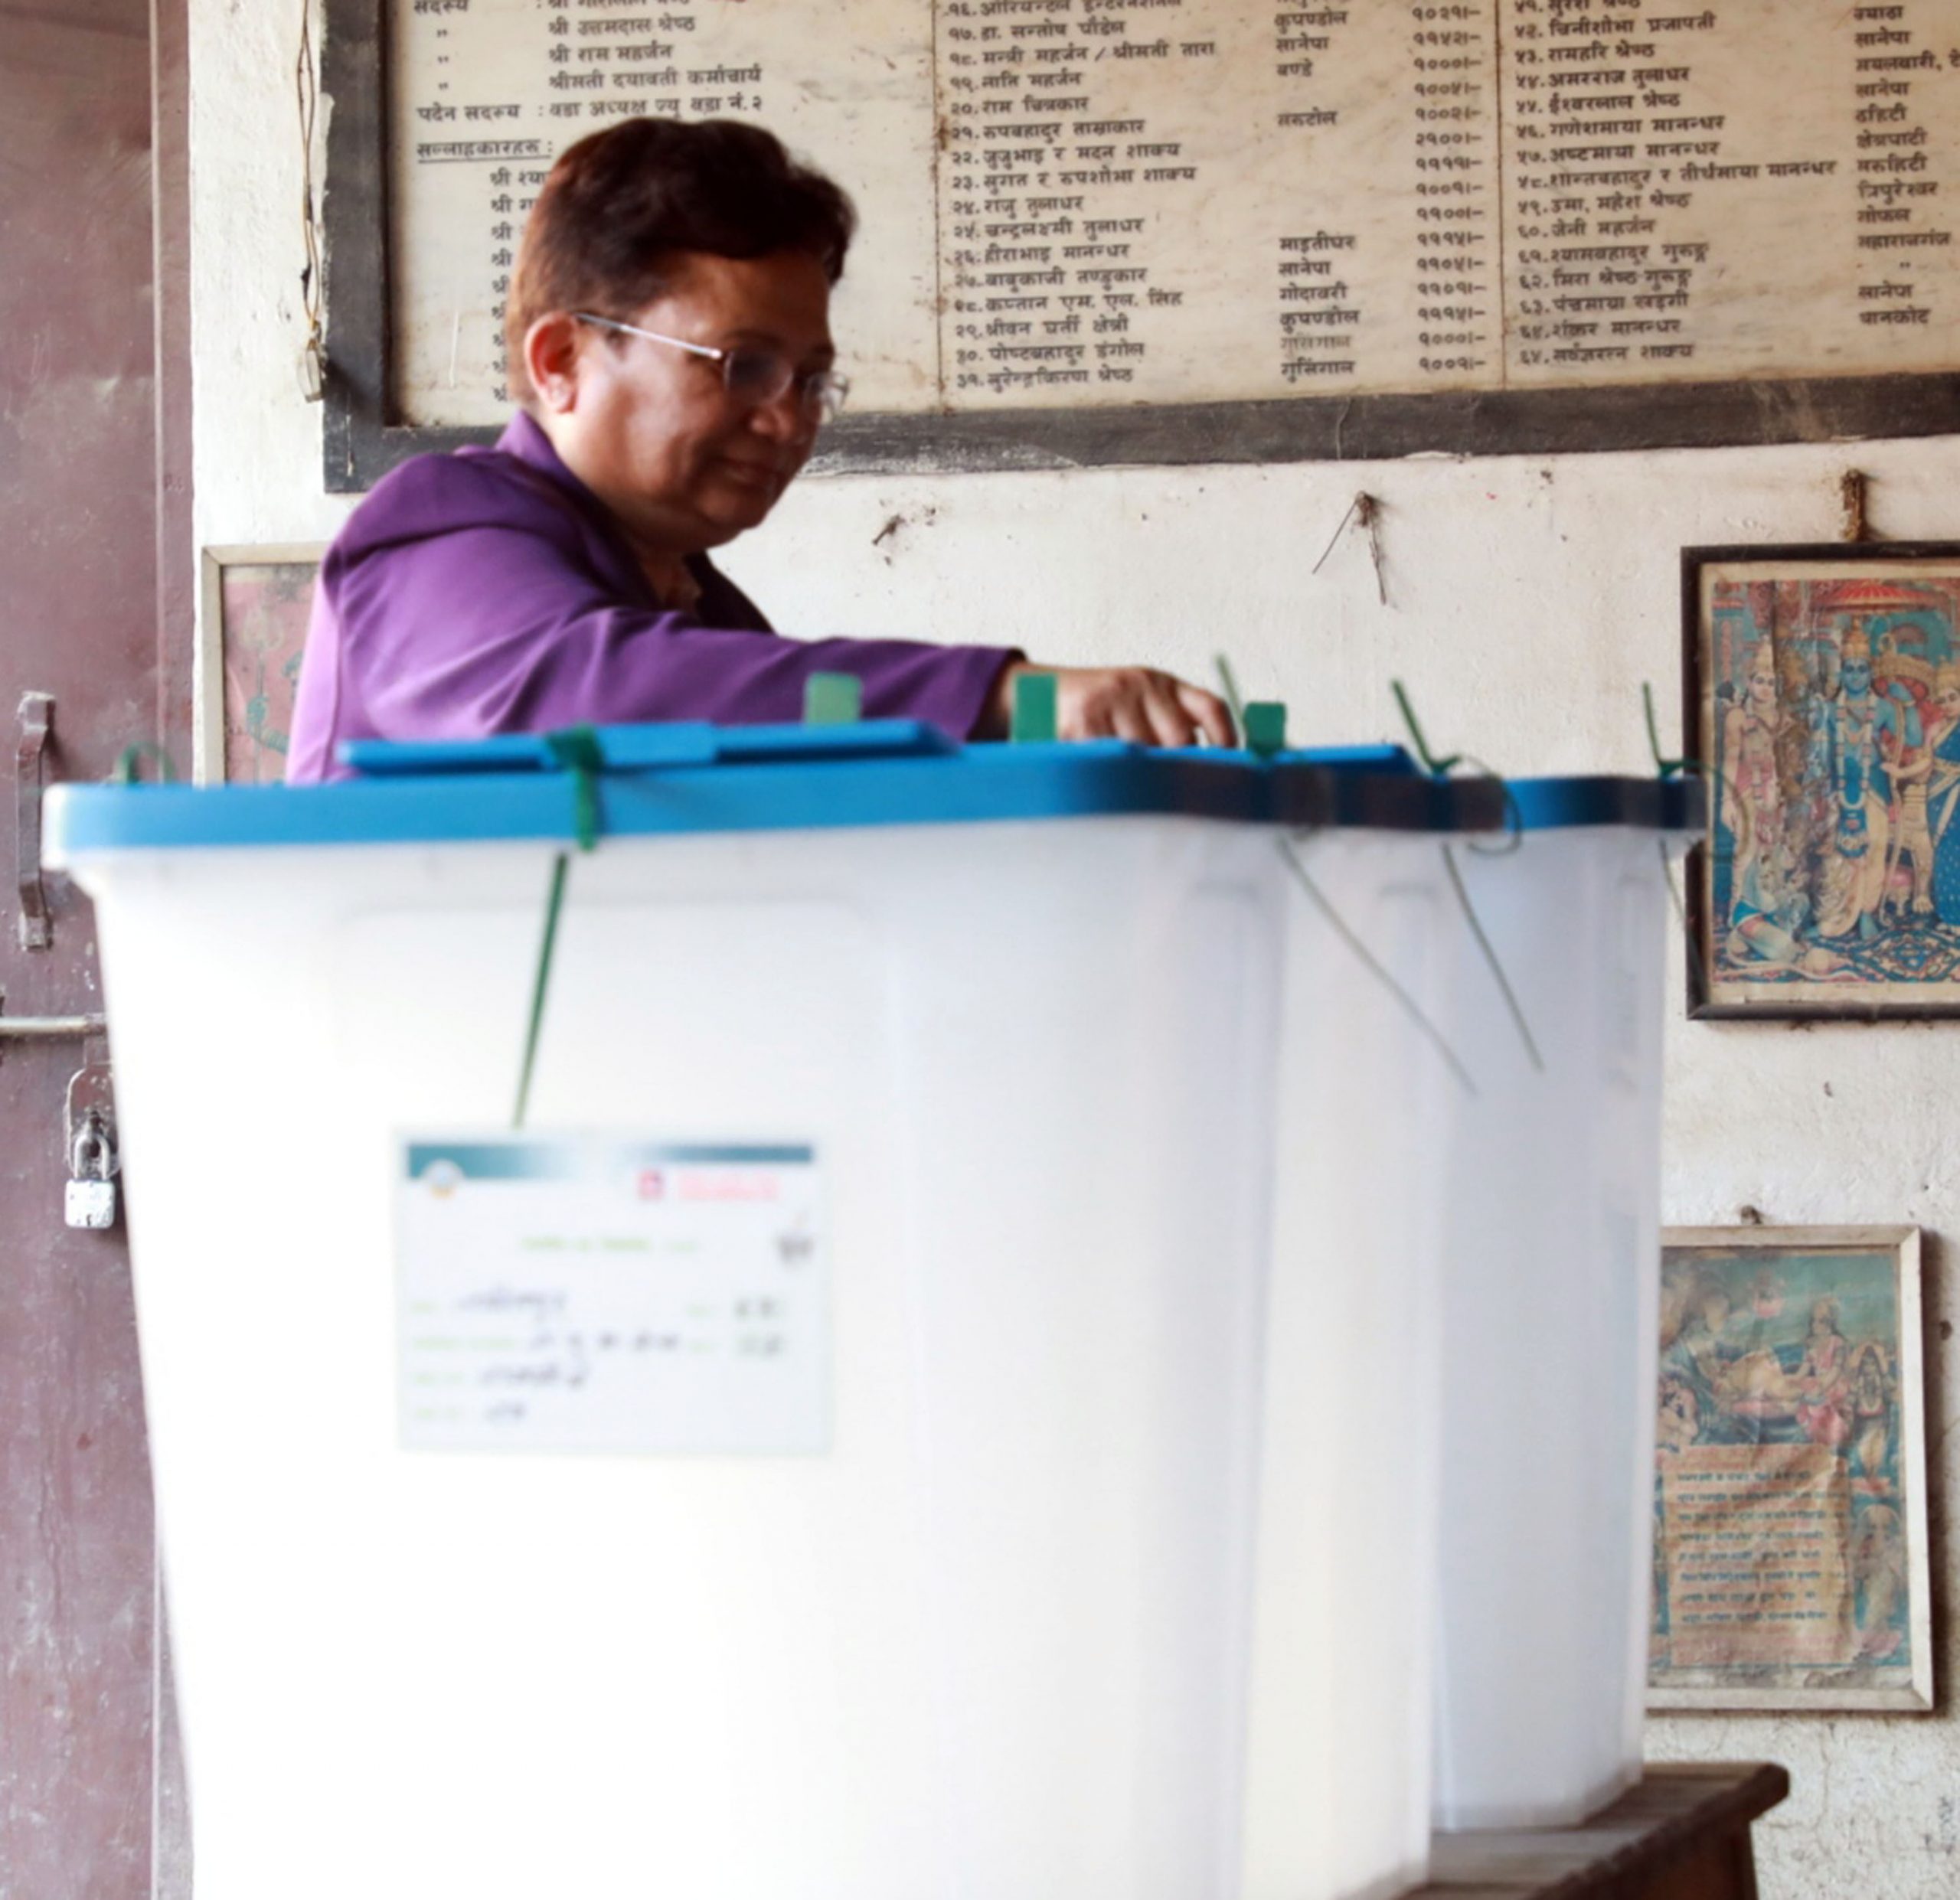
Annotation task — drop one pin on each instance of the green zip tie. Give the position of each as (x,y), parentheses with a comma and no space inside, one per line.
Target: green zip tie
(123,772)
(1227,679)
(1701,979)
(1491,958)
(1667,767)
(1264,722)
(576,749)
(541,983)
(1715,782)
(1036,721)
(1259,727)
(833,699)
(1375,968)
(1439,768)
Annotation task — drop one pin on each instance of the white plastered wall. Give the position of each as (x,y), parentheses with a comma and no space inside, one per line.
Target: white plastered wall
(1528,598)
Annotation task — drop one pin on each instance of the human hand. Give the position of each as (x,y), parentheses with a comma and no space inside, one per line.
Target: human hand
(1135,703)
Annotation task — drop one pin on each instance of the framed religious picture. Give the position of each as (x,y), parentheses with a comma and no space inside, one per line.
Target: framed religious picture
(252,625)
(1790,1559)
(1822,695)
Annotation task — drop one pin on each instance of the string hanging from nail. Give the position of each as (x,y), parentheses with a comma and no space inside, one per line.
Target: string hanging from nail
(313,352)
(1365,511)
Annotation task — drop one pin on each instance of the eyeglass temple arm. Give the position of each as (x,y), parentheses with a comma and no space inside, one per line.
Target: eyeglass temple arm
(713,354)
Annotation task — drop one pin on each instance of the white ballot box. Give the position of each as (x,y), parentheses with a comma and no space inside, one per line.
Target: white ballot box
(817,1456)
(1371,1083)
(1551,1315)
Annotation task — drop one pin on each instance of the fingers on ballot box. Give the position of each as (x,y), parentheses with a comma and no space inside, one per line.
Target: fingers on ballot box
(811,1313)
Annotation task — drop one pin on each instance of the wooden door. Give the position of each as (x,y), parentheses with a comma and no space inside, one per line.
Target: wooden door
(80,622)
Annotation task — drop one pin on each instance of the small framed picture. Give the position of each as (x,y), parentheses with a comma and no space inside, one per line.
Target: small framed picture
(1790,1559)
(251,626)
(1822,693)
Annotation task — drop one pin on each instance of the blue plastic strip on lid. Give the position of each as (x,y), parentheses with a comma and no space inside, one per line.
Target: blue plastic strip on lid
(703,778)
(1654,805)
(1020,783)
(696,743)
(1400,797)
(1474,803)
(645,747)
(1397,760)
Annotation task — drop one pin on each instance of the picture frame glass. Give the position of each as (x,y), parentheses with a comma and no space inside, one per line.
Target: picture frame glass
(257,604)
(1823,702)
(1790,1555)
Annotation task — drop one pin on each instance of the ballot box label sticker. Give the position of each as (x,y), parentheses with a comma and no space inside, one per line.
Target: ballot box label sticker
(592,1294)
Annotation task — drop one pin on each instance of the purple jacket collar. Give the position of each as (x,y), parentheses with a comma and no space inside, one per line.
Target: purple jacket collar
(525,442)
(523,438)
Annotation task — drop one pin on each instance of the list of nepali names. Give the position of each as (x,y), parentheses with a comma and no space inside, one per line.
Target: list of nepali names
(1073,202)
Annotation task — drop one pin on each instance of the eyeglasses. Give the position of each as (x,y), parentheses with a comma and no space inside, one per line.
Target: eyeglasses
(754,377)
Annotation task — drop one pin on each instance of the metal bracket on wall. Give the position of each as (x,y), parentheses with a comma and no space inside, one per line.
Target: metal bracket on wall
(36,726)
(49,1029)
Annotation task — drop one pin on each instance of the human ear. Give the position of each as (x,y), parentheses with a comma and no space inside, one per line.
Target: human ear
(551,360)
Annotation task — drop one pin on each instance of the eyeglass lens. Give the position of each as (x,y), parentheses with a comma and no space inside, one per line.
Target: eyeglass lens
(761,376)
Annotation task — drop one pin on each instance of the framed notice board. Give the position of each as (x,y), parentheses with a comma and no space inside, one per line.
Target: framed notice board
(1109,231)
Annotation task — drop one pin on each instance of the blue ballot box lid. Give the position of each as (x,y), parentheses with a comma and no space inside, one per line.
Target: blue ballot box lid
(695,778)
(1653,805)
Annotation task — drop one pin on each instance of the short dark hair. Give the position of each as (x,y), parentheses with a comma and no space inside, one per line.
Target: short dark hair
(619,205)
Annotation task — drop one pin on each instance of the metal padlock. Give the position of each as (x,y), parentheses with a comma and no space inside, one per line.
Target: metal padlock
(90,1198)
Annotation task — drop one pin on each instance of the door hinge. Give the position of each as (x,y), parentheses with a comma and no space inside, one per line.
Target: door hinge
(36,726)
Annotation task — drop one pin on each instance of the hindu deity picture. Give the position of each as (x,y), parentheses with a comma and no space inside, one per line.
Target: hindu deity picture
(256,604)
(1824,713)
(1790,1559)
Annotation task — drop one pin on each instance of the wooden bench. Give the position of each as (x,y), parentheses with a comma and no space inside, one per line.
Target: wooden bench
(1683,1833)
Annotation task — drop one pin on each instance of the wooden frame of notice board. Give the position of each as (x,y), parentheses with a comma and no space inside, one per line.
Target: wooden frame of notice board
(364,438)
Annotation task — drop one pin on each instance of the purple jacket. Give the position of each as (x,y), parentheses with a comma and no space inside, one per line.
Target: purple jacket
(489,592)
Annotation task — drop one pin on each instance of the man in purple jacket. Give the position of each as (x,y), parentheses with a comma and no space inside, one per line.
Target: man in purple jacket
(668,338)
